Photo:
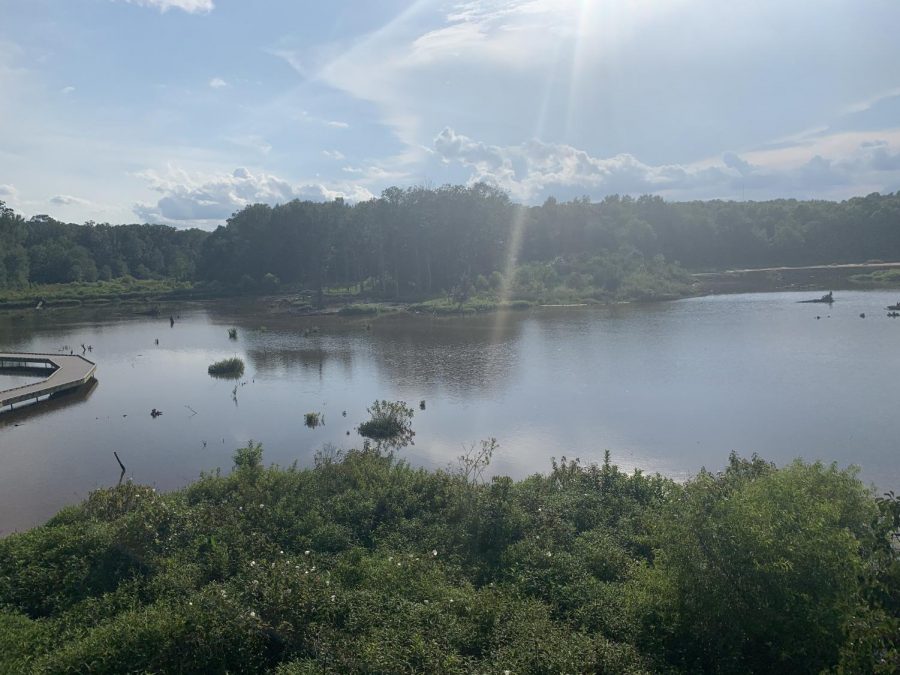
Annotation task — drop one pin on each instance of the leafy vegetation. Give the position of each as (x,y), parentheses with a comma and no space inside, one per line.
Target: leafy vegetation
(364,564)
(454,241)
(96,292)
(389,422)
(313,419)
(877,279)
(227,368)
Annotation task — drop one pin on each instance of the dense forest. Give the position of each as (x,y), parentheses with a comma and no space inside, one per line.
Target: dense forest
(423,242)
(362,564)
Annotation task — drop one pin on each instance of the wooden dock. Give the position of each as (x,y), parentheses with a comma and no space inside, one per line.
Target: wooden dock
(64,373)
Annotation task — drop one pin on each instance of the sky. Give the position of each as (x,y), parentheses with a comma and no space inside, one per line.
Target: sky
(184,111)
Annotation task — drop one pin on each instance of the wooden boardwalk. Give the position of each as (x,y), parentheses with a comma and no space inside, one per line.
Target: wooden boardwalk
(65,373)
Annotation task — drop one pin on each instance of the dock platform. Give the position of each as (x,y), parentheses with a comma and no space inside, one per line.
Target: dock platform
(65,373)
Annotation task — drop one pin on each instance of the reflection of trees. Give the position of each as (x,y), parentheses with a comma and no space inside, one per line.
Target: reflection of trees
(461,354)
(313,358)
(464,355)
(17,329)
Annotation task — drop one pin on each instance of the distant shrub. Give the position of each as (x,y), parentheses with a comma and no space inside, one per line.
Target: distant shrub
(389,421)
(227,368)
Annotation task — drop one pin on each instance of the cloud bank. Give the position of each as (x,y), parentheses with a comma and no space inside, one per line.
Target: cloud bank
(211,199)
(189,6)
(536,169)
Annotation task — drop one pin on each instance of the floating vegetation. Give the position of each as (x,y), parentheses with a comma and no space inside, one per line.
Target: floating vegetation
(227,368)
(232,333)
(422,404)
(313,419)
(389,421)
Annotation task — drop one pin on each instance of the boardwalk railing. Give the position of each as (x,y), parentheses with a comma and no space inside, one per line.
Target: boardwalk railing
(68,372)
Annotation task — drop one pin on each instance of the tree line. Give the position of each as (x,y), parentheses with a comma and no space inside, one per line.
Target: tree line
(420,241)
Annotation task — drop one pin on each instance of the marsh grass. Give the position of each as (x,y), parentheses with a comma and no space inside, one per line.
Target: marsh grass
(227,368)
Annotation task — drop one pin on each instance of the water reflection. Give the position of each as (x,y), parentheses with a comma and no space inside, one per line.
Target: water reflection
(668,387)
(467,356)
(33,412)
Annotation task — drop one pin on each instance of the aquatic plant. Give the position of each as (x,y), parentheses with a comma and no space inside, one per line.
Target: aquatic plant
(313,419)
(389,421)
(232,333)
(227,368)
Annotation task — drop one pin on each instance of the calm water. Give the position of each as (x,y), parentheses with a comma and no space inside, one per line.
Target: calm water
(666,387)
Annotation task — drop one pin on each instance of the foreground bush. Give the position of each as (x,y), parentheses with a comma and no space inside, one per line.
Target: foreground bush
(364,564)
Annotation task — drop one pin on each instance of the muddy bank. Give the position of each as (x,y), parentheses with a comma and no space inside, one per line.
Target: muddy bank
(812,278)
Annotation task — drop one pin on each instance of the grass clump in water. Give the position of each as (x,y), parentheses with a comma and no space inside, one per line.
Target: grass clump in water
(313,419)
(233,367)
(389,421)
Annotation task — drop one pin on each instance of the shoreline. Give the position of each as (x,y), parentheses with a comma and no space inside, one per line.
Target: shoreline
(152,302)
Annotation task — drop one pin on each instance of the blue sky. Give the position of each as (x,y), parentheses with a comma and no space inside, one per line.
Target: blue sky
(183,111)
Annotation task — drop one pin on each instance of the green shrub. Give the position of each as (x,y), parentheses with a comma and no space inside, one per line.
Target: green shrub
(389,421)
(363,563)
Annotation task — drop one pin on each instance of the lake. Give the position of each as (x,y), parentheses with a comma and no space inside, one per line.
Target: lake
(667,387)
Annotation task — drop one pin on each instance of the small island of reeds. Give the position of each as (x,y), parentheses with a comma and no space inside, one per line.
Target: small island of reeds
(228,368)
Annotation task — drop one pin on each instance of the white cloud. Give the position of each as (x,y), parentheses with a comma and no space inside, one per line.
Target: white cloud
(870,102)
(67,90)
(333,154)
(666,81)
(535,169)
(337,124)
(189,6)
(69,200)
(433,61)
(217,83)
(210,199)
